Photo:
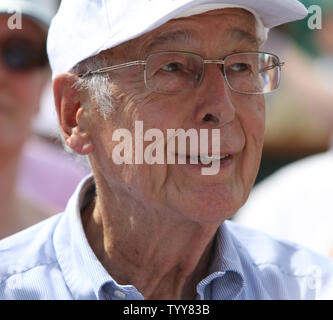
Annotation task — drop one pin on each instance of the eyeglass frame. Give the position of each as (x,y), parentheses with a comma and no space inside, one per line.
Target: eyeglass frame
(216,61)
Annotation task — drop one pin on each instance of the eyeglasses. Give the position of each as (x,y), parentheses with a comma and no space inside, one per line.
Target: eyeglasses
(20,54)
(172,72)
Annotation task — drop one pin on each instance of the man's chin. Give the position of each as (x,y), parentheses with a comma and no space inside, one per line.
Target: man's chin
(197,211)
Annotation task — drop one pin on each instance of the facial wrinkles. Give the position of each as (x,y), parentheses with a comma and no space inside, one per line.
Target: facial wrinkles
(129,111)
(158,175)
(146,101)
(152,107)
(172,38)
(252,146)
(182,35)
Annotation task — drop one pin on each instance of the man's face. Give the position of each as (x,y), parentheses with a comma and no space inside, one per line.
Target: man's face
(240,117)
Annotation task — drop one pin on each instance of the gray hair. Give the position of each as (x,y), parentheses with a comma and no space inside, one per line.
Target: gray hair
(99,85)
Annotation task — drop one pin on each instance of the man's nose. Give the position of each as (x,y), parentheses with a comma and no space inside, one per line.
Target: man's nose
(214,107)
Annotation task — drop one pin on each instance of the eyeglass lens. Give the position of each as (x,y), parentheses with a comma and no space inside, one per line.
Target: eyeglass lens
(252,72)
(174,72)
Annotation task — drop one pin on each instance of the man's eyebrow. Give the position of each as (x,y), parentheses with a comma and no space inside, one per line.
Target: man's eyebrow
(180,36)
(240,34)
(185,35)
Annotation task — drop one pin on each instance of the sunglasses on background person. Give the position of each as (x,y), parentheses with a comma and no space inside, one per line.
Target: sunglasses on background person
(20,54)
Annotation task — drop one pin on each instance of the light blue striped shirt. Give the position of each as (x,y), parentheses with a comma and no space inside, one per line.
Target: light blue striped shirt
(53,260)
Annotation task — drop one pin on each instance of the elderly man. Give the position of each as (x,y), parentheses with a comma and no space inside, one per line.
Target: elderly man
(157,229)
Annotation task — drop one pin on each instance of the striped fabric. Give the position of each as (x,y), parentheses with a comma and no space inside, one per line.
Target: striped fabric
(53,260)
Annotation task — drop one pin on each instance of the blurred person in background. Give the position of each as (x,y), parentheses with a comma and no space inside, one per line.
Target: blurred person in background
(24,74)
(296,202)
(299,118)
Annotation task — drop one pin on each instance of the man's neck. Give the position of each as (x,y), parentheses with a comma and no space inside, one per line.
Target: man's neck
(163,259)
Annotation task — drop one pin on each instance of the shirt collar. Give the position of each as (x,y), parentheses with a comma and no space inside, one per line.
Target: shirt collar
(87,278)
(225,270)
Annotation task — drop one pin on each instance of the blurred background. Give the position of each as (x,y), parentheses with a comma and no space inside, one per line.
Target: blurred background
(300,114)
(293,195)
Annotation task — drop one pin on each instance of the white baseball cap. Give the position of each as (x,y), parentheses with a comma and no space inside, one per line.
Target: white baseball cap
(40,10)
(84,28)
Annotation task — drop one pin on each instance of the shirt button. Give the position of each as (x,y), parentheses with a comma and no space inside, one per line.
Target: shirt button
(119,294)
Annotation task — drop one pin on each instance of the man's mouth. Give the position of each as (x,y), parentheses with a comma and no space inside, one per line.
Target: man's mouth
(203,160)
(206,159)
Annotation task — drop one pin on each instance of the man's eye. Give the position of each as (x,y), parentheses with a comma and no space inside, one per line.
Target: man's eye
(172,67)
(239,67)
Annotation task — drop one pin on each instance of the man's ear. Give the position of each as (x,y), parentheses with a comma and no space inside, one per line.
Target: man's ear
(70,114)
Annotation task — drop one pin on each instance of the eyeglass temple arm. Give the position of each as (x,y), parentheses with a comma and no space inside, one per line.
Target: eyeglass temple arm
(280,64)
(107,69)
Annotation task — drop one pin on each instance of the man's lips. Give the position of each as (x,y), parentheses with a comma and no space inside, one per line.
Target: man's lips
(205,159)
